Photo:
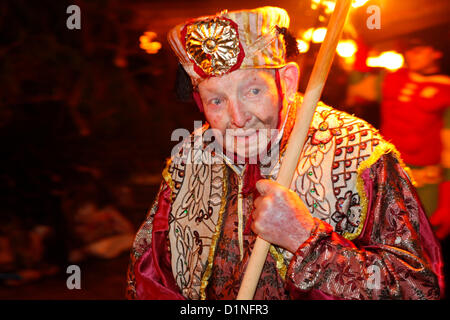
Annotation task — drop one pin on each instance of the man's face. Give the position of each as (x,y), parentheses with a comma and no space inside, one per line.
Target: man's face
(422,58)
(243,106)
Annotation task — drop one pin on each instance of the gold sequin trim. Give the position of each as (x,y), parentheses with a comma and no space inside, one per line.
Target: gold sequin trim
(382,149)
(281,266)
(241,217)
(167,176)
(215,237)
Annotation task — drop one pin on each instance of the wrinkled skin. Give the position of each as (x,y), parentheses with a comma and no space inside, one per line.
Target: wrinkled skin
(236,105)
(245,103)
(280,216)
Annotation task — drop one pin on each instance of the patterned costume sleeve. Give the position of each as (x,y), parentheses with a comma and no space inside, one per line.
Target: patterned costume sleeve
(395,257)
(149,273)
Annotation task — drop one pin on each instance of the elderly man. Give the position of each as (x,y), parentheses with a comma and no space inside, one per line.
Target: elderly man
(351,227)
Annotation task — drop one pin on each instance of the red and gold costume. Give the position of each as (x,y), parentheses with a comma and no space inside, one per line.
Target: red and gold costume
(416,118)
(366,211)
(412,115)
(371,238)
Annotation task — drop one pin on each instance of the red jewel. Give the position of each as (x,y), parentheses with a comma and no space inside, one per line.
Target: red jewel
(335,165)
(363,146)
(349,149)
(339,141)
(338,152)
(351,137)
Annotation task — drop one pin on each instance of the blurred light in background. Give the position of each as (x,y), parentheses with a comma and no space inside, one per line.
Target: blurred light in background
(327,4)
(319,34)
(346,48)
(390,60)
(307,35)
(358,3)
(147,43)
(315,4)
(302,46)
(330,5)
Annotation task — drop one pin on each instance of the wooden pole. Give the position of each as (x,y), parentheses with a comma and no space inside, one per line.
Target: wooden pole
(297,138)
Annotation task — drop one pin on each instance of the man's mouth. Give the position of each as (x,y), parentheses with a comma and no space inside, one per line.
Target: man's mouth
(240,133)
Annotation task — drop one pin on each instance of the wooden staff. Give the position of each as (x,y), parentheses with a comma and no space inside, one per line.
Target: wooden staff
(297,138)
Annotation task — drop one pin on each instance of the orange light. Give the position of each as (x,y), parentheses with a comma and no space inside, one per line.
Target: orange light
(358,3)
(346,48)
(147,44)
(327,4)
(330,5)
(307,35)
(390,60)
(315,4)
(318,35)
(302,46)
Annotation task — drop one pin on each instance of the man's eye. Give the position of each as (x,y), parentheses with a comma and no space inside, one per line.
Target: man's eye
(216,101)
(255,91)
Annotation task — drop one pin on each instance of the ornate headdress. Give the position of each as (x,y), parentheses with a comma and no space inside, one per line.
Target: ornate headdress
(215,45)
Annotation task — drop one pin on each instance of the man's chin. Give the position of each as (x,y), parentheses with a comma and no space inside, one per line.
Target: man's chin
(250,155)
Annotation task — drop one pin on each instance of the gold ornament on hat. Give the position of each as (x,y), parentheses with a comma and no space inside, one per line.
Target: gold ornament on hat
(213,45)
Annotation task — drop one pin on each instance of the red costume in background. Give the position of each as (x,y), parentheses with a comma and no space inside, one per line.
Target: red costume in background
(415,117)
(412,115)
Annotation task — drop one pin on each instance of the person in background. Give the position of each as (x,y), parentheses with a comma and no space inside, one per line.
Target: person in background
(415,117)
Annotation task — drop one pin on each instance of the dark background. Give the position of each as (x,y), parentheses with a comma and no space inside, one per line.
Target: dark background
(90,108)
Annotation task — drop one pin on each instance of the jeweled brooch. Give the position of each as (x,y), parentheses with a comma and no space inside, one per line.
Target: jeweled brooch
(214,46)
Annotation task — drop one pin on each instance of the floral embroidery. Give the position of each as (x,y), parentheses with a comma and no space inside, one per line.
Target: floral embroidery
(324,127)
(347,212)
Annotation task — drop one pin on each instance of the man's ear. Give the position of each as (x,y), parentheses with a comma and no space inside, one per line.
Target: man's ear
(290,75)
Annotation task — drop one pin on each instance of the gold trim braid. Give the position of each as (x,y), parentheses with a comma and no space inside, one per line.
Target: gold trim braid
(167,176)
(215,237)
(281,266)
(382,149)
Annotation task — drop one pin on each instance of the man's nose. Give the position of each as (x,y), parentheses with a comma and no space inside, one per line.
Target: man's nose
(239,114)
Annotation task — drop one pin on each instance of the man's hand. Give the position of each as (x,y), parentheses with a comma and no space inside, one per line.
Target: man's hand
(280,216)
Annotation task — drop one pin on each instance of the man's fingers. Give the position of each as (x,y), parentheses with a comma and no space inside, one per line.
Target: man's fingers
(265,186)
(257,202)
